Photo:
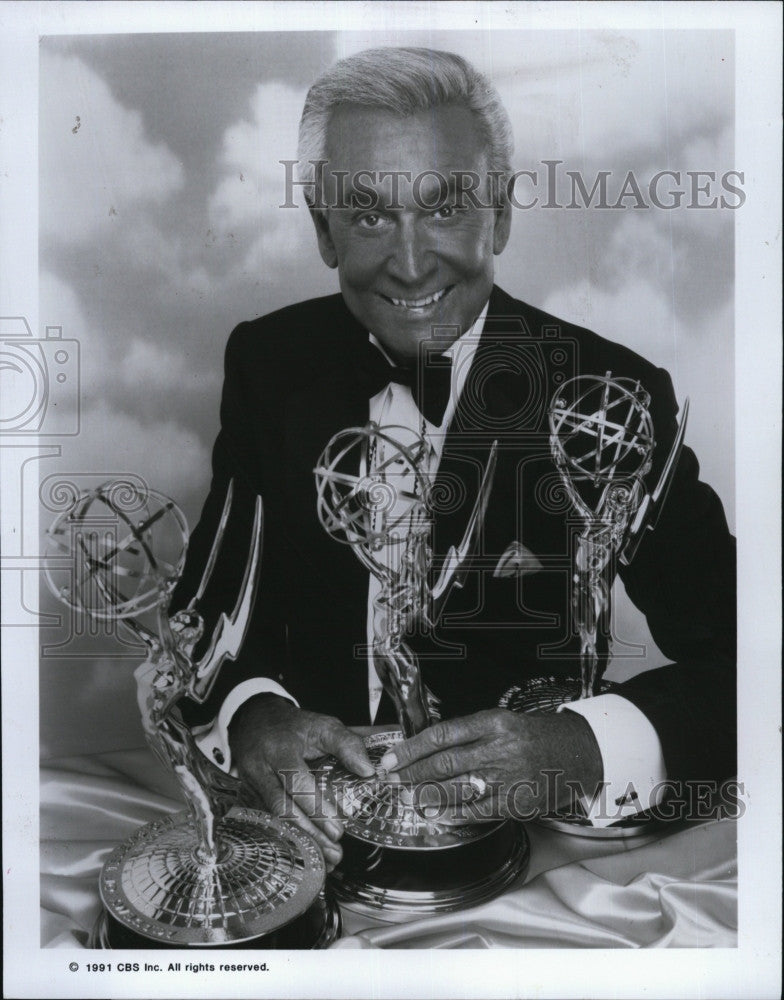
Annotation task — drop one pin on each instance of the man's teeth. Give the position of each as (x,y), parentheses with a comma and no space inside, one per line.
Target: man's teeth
(419,303)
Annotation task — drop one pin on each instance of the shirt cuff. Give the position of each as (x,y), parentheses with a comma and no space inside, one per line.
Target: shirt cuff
(214,742)
(632,759)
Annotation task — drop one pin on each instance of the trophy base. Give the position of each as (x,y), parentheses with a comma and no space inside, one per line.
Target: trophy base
(641,825)
(262,888)
(396,885)
(398,864)
(547,694)
(317,928)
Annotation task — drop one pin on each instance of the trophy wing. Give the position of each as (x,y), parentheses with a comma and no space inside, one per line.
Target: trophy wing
(216,545)
(230,630)
(455,565)
(650,509)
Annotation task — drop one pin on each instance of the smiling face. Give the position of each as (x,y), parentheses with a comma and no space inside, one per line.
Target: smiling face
(418,258)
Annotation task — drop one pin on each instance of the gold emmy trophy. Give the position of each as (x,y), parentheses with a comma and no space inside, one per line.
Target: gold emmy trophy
(219,874)
(602,442)
(373,496)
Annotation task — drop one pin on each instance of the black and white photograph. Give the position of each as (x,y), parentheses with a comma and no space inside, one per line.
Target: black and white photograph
(390,441)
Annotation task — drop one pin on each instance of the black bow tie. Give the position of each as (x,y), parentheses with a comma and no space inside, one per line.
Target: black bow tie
(430,382)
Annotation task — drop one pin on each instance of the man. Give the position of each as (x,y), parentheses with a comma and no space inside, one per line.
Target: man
(406,151)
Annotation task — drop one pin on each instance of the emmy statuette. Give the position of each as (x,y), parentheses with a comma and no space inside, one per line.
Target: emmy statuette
(218,875)
(602,442)
(373,496)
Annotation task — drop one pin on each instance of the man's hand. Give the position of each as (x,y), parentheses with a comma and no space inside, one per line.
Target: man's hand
(269,735)
(505,752)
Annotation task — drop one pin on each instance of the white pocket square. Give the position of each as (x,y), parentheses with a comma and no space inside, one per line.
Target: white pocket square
(517,560)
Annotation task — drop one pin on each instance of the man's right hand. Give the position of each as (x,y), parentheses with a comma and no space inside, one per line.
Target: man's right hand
(269,735)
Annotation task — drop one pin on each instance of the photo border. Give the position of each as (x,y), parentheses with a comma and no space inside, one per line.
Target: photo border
(753,969)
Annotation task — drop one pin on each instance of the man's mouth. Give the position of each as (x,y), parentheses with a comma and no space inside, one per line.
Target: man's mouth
(422,303)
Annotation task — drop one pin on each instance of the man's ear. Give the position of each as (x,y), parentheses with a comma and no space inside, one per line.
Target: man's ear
(503,226)
(326,247)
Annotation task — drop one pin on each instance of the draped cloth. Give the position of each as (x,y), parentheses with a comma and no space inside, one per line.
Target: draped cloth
(676,888)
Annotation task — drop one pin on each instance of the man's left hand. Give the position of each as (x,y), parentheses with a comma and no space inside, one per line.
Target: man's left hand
(519,763)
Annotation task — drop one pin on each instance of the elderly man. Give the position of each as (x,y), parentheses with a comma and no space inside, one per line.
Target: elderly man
(406,152)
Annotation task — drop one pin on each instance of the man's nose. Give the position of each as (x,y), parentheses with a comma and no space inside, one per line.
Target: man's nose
(413,255)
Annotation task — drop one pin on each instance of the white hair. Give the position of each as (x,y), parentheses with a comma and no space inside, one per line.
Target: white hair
(403,81)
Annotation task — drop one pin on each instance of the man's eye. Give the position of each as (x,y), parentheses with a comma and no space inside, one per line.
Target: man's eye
(445,212)
(370,220)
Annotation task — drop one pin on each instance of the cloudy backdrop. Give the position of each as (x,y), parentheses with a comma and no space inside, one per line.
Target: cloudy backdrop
(160,230)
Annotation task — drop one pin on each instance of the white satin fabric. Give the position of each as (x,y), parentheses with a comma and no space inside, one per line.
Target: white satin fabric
(673,890)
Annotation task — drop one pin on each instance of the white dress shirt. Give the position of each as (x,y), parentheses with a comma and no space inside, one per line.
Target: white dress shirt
(632,759)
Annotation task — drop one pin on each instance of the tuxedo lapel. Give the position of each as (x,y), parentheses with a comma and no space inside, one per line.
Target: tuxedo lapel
(504,399)
(329,401)
(333,400)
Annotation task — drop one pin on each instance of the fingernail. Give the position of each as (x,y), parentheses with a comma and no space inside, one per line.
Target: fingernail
(430,812)
(388,761)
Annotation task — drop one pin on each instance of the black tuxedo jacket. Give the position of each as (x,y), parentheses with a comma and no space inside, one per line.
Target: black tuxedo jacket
(296,377)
